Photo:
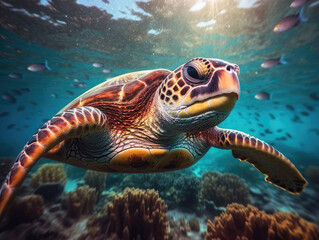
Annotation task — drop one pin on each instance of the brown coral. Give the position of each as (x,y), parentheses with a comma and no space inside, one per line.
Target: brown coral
(95,180)
(223,189)
(138,214)
(81,201)
(26,209)
(49,173)
(249,223)
(194,225)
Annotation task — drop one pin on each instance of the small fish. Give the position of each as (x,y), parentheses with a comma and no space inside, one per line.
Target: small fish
(304,113)
(268,131)
(276,102)
(281,138)
(38,67)
(69,92)
(279,130)
(75,85)
(33,103)
(25,90)
(288,135)
(76,80)
(257,114)
(297,119)
(298,3)
(26,126)
(105,70)
(97,65)
(86,77)
(289,22)
(20,108)
(314,96)
(262,96)
(316,3)
(310,108)
(260,125)
(8,97)
(315,130)
(290,107)
(273,62)
(54,95)
(16,92)
(252,130)
(262,134)
(3,114)
(15,75)
(272,116)
(10,126)
(82,84)
(68,77)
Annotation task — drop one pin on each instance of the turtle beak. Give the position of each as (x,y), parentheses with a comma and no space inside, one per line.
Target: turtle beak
(228,89)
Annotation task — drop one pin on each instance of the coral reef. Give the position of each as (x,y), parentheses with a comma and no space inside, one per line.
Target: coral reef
(223,189)
(50,191)
(240,222)
(194,225)
(26,209)
(187,190)
(177,189)
(49,173)
(95,180)
(135,214)
(159,181)
(81,201)
(312,175)
(138,214)
(181,230)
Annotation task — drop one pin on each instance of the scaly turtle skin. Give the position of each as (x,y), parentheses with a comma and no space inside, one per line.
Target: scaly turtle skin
(151,121)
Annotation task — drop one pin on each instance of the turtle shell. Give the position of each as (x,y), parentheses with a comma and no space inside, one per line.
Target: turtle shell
(131,89)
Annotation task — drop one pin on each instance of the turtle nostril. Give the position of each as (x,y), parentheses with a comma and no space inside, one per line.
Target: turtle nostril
(230,68)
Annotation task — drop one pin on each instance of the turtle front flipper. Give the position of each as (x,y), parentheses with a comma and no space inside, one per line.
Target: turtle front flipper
(277,168)
(72,123)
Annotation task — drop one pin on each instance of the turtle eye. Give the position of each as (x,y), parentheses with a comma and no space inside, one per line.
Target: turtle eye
(196,71)
(192,72)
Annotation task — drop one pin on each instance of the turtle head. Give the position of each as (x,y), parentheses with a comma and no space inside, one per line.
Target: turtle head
(201,91)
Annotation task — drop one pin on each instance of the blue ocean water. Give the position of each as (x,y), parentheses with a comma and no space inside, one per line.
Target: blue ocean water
(128,36)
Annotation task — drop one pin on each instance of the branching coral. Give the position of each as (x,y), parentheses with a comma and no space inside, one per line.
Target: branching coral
(26,209)
(223,189)
(81,201)
(243,223)
(49,173)
(138,214)
(194,225)
(95,180)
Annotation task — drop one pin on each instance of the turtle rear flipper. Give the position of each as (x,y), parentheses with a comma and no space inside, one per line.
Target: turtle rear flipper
(277,168)
(72,123)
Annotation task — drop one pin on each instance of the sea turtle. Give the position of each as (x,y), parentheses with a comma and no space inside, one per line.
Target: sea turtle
(151,121)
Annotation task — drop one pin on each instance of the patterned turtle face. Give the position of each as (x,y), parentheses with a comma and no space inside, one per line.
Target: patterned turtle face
(200,86)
